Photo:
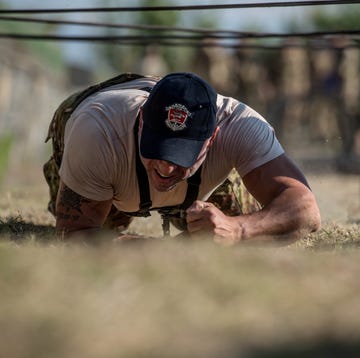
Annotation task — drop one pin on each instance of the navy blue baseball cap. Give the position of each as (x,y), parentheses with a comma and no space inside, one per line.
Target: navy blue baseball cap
(178,117)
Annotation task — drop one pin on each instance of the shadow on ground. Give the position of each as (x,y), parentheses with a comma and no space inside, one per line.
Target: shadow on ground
(16,228)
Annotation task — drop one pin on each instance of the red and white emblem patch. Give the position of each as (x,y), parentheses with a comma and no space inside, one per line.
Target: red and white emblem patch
(177,116)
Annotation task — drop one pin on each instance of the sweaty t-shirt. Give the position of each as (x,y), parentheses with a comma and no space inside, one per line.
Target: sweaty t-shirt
(99,155)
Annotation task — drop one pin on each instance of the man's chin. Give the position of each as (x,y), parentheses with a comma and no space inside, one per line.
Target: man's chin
(163,188)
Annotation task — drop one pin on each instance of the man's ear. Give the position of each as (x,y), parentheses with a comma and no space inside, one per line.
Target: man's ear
(212,138)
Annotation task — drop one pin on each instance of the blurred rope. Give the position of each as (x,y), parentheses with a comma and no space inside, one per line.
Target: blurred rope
(183,8)
(325,41)
(212,33)
(203,37)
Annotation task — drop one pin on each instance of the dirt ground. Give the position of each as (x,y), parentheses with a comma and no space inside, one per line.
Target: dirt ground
(337,193)
(338,197)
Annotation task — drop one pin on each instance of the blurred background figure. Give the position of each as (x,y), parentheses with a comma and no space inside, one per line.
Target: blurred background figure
(349,160)
(152,63)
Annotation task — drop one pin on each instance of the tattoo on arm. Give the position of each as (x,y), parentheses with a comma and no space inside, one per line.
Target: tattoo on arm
(75,213)
(71,200)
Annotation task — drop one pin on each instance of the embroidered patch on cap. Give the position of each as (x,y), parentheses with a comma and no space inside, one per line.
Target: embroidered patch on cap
(177,116)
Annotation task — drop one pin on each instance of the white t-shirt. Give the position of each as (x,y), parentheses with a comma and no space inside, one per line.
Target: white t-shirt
(99,155)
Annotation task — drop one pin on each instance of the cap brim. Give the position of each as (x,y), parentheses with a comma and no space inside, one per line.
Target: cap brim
(177,150)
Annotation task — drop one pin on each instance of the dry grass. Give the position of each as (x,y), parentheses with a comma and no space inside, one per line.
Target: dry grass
(170,298)
(173,298)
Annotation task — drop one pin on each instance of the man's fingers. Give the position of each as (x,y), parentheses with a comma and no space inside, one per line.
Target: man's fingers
(195,212)
(196,206)
(199,217)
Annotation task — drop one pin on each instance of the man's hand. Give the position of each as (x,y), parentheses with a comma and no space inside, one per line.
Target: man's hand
(289,208)
(206,219)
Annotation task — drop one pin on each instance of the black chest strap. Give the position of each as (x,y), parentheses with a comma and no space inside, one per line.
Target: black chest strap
(143,182)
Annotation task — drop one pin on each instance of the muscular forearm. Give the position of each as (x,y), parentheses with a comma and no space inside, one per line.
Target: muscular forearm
(290,215)
(80,219)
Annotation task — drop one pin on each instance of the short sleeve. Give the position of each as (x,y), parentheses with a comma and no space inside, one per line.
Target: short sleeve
(88,162)
(249,141)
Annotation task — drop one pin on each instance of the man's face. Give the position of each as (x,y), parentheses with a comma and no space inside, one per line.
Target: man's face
(164,176)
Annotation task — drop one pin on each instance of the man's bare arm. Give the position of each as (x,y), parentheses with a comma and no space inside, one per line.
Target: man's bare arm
(289,204)
(289,207)
(78,215)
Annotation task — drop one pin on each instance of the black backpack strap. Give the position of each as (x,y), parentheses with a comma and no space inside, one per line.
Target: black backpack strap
(179,211)
(124,77)
(143,182)
(193,189)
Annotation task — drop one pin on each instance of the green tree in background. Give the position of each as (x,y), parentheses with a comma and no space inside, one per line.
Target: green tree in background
(127,58)
(48,52)
(164,18)
(346,19)
(157,18)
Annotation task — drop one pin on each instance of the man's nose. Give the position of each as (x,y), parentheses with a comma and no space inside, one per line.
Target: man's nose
(166,168)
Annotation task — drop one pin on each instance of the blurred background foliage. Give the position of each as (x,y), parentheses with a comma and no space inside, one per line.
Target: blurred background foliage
(346,19)
(289,86)
(118,57)
(49,52)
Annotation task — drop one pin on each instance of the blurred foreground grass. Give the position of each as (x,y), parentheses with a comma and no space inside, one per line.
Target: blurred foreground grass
(176,299)
(173,298)
(5,146)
